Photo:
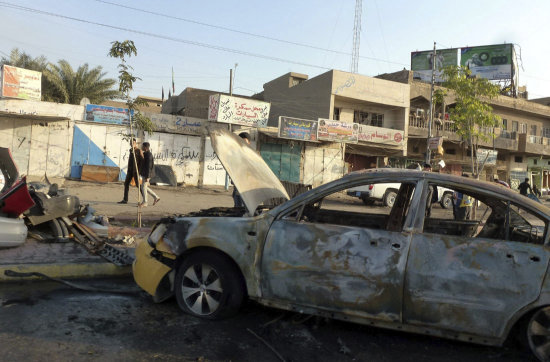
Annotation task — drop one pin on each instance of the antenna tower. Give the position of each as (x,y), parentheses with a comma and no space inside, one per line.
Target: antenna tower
(356,37)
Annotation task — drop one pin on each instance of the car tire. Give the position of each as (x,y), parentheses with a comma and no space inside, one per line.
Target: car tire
(368,202)
(389,198)
(538,334)
(216,295)
(446,200)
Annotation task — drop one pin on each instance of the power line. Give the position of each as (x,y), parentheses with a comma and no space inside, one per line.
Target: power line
(159,36)
(241,31)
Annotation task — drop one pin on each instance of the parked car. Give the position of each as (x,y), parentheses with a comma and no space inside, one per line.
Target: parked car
(387,192)
(473,280)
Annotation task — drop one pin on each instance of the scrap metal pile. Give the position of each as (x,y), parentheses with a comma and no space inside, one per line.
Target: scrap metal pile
(46,213)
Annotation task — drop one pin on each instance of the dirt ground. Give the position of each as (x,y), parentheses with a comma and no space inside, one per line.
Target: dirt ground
(51,322)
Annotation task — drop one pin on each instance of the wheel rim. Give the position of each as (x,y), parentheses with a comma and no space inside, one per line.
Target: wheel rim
(538,333)
(201,289)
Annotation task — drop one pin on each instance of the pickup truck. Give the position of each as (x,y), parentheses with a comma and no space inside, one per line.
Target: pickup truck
(386,193)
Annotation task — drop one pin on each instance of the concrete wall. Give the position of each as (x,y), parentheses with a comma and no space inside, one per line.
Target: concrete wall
(310,99)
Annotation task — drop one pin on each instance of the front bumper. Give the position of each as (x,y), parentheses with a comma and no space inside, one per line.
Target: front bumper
(149,271)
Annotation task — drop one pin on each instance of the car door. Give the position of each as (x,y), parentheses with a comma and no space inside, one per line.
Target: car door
(341,265)
(471,283)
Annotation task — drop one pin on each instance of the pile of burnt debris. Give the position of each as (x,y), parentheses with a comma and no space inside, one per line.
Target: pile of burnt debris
(45,212)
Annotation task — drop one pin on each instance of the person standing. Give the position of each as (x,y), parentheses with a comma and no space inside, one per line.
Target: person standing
(524,186)
(146,171)
(132,173)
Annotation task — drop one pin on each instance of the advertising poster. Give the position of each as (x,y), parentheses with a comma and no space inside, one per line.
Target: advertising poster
(492,62)
(105,114)
(297,129)
(336,131)
(20,83)
(380,135)
(421,63)
(236,110)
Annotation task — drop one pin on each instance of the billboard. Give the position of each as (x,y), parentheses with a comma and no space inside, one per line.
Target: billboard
(336,131)
(386,136)
(490,61)
(487,156)
(297,129)
(421,63)
(105,114)
(236,110)
(20,83)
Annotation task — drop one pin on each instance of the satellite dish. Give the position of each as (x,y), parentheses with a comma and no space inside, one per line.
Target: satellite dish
(84,101)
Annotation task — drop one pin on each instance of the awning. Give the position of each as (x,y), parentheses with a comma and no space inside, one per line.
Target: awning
(33,116)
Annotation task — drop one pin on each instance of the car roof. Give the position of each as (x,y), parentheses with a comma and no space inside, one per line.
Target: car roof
(466,182)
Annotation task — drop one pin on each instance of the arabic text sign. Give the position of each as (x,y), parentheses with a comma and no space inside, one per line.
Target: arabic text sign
(20,83)
(336,131)
(235,110)
(421,63)
(380,135)
(297,129)
(487,156)
(105,114)
(434,143)
(491,61)
(177,124)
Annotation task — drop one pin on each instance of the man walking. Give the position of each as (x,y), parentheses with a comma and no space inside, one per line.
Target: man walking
(146,172)
(132,173)
(524,186)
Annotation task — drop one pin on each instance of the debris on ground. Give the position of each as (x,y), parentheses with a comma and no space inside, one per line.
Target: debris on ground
(343,348)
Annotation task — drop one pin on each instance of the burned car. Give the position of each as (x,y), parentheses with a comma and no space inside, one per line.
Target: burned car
(473,279)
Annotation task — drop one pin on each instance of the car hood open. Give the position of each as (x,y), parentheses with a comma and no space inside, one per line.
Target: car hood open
(251,175)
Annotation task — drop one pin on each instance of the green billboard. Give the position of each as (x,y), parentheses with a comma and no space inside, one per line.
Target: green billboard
(421,63)
(489,61)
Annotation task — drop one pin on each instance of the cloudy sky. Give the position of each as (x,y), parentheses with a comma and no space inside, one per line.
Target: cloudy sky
(202,40)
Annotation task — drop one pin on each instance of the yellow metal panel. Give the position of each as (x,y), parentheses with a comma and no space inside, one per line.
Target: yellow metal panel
(148,271)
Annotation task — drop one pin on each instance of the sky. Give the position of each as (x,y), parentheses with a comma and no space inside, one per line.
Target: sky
(202,40)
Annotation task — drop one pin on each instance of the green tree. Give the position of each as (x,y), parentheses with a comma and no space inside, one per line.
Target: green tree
(70,86)
(473,116)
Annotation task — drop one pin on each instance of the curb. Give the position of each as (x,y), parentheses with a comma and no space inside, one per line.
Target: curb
(67,271)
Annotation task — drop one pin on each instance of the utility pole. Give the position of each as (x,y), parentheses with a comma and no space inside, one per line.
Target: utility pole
(431,115)
(231,94)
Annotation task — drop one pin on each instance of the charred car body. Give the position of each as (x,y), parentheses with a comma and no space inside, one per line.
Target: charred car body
(467,279)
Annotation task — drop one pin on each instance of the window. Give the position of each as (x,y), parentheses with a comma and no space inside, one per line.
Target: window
(523,128)
(336,115)
(504,124)
(546,132)
(377,119)
(534,161)
(360,117)
(501,157)
(382,206)
(495,218)
(450,151)
(518,159)
(533,130)
(514,126)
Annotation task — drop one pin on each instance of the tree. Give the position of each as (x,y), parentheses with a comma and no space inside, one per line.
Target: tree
(473,116)
(70,86)
(126,80)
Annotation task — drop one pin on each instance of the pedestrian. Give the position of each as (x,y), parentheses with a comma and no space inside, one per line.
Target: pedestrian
(524,186)
(131,172)
(536,191)
(237,199)
(147,171)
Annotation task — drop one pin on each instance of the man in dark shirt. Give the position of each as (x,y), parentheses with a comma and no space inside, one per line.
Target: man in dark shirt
(524,186)
(132,173)
(146,172)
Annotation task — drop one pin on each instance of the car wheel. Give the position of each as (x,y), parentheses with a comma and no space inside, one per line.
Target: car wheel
(368,202)
(446,201)
(389,198)
(209,285)
(538,334)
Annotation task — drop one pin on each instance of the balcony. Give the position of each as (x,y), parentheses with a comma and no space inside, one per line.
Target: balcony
(535,145)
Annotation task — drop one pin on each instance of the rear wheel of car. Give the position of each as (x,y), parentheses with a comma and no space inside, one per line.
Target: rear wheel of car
(538,334)
(209,285)
(447,200)
(389,198)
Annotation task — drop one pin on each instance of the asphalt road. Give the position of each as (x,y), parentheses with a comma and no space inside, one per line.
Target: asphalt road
(44,321)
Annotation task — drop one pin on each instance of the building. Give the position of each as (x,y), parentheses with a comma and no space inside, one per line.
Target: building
(154,105)
(191,102)
(380,107)
(522,140)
